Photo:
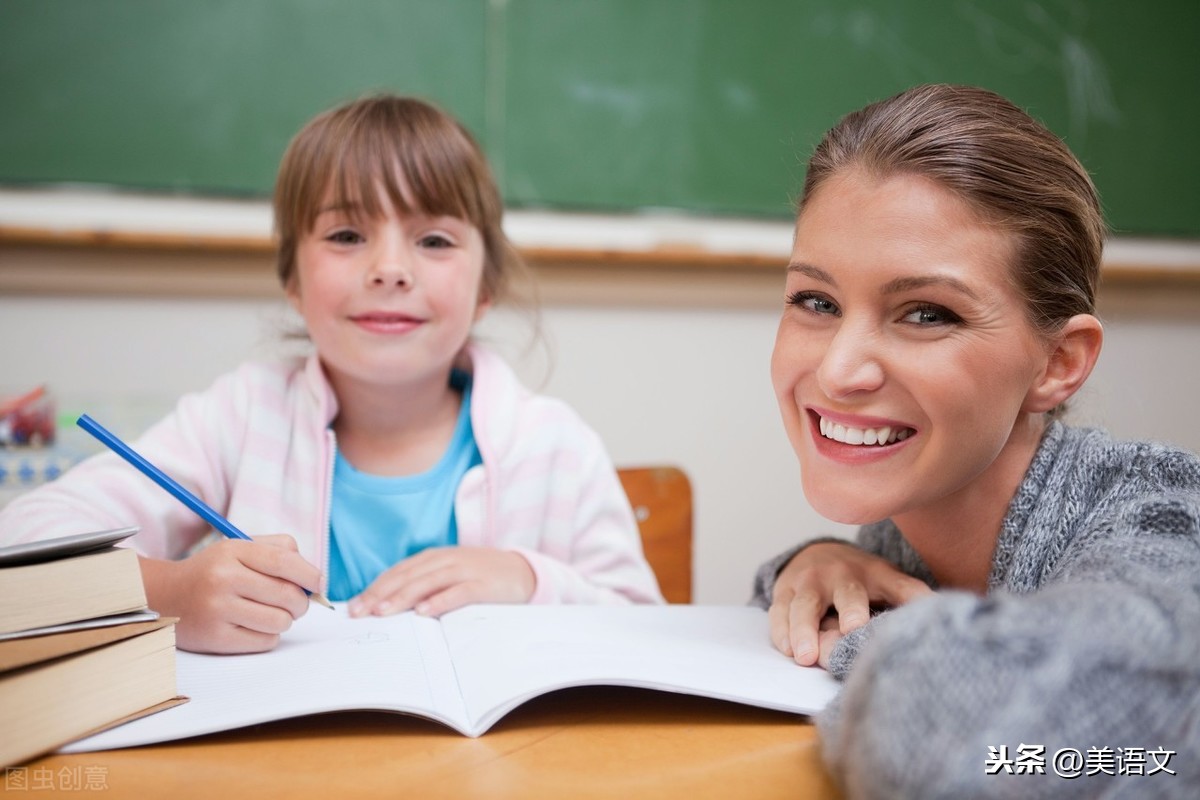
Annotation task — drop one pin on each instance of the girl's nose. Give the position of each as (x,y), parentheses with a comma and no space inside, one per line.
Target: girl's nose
(391,268)
(851,363)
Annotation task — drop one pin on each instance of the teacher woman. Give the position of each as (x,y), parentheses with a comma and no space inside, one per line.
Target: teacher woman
(1020,614)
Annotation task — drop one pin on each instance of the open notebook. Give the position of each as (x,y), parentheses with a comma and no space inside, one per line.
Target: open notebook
(471,667)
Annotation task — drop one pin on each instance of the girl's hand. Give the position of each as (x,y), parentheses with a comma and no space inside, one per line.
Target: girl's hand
(442,579)
(825,592)
(232,596)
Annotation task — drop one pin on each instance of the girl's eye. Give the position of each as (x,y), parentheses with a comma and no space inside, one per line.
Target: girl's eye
(931,315)
(814,302)
(344,237)
(435,241)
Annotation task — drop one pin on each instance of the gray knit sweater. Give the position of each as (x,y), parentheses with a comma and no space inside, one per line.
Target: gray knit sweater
(1088,638)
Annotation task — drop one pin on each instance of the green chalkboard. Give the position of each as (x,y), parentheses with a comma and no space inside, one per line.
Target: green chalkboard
(204,96)
(702,105)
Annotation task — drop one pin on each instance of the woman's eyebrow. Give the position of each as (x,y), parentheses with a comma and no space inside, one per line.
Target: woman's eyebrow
(816,273)
(894,286)
(921,281)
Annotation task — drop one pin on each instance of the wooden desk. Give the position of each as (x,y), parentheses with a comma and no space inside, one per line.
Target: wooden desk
(580,743)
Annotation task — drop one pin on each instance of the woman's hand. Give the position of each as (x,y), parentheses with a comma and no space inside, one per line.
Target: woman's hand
(825,592)
(233,596)
(442,579)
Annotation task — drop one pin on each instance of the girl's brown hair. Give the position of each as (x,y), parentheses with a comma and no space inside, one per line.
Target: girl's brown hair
(1006,165)
(420,158)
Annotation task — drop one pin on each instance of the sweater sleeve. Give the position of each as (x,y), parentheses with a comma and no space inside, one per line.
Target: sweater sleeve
(1104,656)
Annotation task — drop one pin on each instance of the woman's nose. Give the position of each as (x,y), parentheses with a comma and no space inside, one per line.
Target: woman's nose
(851,363)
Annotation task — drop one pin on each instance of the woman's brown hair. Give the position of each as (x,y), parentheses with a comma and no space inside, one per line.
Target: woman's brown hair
(1006,165)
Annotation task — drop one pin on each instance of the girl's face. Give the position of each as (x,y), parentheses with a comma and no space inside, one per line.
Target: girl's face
(388,301)
(903,358)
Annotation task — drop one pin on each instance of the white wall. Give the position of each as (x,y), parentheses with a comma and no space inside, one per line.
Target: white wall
(690,387)
(687,386)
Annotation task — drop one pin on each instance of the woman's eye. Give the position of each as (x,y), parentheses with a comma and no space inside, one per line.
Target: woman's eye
(929,315)
(816,303)
(344,237)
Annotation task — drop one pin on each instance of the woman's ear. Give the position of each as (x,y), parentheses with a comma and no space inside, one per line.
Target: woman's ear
(1073,353)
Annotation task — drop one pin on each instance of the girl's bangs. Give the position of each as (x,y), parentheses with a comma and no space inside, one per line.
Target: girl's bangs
(412,176)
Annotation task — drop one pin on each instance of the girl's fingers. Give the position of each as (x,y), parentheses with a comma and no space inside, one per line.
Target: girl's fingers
(391,584)
(275,593)
(279,540)
(242,626)
(493,576)
(233,640)
(456,596)
(279,561)
(409,589)
(257,617)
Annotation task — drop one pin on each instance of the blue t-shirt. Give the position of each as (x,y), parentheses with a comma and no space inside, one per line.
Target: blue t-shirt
(375,522)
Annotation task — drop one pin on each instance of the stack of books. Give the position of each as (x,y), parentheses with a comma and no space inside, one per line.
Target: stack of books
(79,649)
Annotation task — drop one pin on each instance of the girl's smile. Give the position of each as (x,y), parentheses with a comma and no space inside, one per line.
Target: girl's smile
(386,322)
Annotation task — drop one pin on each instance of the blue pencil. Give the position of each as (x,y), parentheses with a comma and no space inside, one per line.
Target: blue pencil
(181,494)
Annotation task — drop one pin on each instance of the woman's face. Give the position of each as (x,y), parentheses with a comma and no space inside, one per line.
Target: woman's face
(903,358)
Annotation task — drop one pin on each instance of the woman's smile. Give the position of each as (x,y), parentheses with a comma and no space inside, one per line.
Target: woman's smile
(856,440)
(904,357)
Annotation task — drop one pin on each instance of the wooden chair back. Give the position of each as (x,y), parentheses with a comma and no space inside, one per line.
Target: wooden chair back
(662,502)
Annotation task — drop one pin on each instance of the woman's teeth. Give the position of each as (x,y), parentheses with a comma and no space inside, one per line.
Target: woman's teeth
(847,435)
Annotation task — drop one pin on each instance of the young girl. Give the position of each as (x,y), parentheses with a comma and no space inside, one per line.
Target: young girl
(940,311)
(405,465)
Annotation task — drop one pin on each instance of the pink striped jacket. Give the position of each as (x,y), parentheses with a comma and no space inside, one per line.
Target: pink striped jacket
(257,446)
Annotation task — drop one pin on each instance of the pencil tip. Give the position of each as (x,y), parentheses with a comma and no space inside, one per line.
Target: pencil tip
(317,597)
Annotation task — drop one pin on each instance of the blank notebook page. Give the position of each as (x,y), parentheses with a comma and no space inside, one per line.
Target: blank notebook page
(321,664)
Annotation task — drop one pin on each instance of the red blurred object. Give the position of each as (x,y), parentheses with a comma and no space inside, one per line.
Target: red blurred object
(28,419)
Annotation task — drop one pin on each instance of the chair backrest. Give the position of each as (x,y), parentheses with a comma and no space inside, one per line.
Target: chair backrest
(662,502)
